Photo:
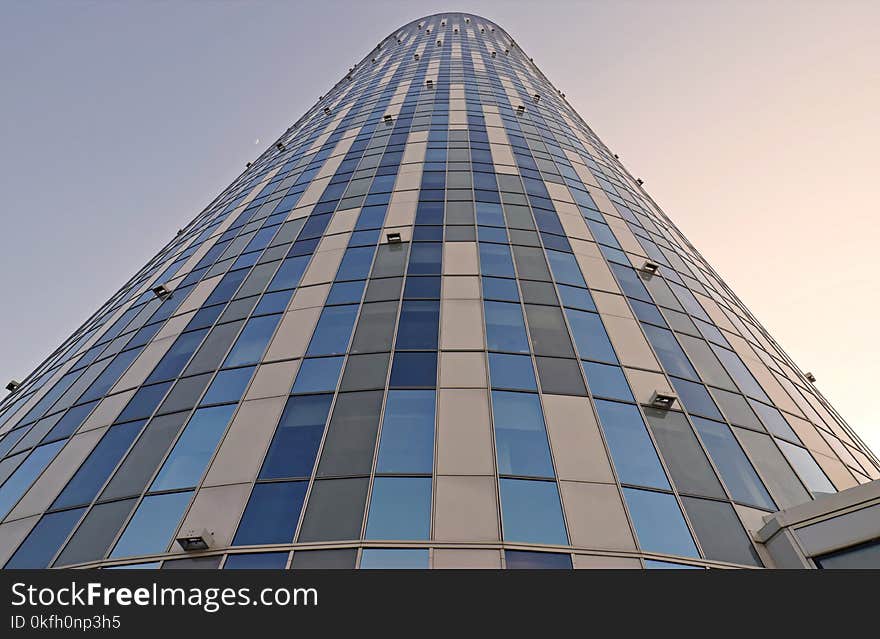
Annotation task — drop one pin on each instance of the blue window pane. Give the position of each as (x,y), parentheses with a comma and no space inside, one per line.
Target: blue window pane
(631,449)
(318,375)
(273,302)
(489,214)
(578,298)
(289,274)
(565,268)
(407,442)
(674,361)
(492,234)
(345,293)
(737,473)
(147,565)
(512,371)
(333,331)
(256,561)
(647,312)
(190,455)
(177,356)
(419,325)
(45,540)
(423,287)
(425,258)
(228,386)
(413,370)
(528,560)
(774,421)
(531,512)
(607,381)
(495,259)
(590,337)
(695,398)
(24,475)
(271,514)
(227,286)
(653,564)
(297,437)
(400,508)
(150,530)
(110,375)
(659,524)
(356,263)
(92,474)
(740,373)
(72,420)
(505,329)
(252,341)
(394,558)
(497,288)
(807,468)
(520,435)
(205,317)
(144,402)
(630,283)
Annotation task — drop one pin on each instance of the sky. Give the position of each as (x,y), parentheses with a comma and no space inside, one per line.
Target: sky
(753,124)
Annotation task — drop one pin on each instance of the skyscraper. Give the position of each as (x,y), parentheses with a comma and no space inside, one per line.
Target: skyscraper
(436,324)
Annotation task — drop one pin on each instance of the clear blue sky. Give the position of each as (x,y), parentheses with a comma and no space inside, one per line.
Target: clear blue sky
(119,121)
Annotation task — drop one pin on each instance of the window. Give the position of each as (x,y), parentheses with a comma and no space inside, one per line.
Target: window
(144,457)
(297,437)
(589,336)
(190,456)
(318,375)
(497,288)
(177,356)
(346,293)
(737,473)
(782,482)
(413,369)
(631,449)
(333,331)
(505,329)
(859,557)
(394,558)
(93,472)
(289,274)
(271,514)
(351,436)
(695,398)
(252,342)
(674,361)
(607,381)
(548,332)
(419,324)
(565,268)
(144,402)
(774,421)
(495,260)
(740,373)
(24,475)
(560,376)
(520,435)
(720,532)
(228,386)
(154,522)
(425,258)
(365,372)
(356,263)
(375,328)
(659,524)
(531,512)
(339,558)
(528,560)
(97,531)
(407,442)
(515,372)
(653,564)
(335,510)
(45,539)
(578,298)
(807,468)
(400,508)
(684,458)
(256,560)
(424,287)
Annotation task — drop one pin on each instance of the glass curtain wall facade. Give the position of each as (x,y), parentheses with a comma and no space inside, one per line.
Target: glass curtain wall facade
(423,329)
